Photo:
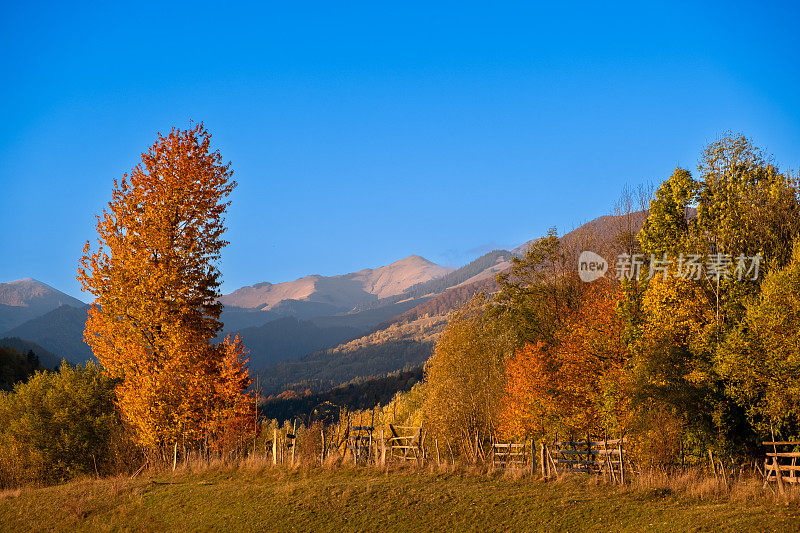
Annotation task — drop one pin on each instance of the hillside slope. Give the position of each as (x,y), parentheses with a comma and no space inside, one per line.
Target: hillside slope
(393,348)
(47,358)
(481,268)
(290,338)
(260,498)
(59,331)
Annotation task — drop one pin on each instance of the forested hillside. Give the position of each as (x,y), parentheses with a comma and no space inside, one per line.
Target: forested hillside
(460,275)
(384,351)
(60,331)
(289,338)
(47,359)
(16,367)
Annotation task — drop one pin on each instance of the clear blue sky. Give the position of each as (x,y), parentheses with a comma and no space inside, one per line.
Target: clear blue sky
(362,134)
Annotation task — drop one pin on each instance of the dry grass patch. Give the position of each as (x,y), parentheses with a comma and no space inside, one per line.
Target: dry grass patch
(255,496)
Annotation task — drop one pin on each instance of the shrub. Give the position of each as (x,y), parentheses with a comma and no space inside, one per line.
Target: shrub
(59,425)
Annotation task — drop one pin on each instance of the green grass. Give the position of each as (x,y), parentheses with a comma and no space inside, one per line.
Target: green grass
(347,499)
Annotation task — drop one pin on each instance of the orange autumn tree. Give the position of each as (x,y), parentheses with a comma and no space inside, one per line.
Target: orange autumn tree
(570,385)
(531,398)
(593,352)
(232,414)
(156,288)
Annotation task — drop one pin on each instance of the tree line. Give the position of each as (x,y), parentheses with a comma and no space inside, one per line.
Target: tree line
(679,364)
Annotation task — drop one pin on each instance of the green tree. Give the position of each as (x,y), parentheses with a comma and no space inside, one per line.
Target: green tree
(761,358)
(746,205)
(59,424)
(666,227)
(539,293)
(14,367)
(670,378)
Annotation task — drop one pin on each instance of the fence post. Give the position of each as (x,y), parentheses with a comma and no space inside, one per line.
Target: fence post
(609,464)
(383,449)
(543,461)
(777,465)
(588,455)
(274,446)
(713,464)
(294,438)
(322,436)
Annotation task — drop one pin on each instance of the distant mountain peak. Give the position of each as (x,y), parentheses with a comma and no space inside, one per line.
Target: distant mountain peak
(344,291)
(28,292)
(24,299)
(413,258)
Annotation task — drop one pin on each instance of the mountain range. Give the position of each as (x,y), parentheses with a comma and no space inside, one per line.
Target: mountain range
(317,331)
(342,292)
(278,321)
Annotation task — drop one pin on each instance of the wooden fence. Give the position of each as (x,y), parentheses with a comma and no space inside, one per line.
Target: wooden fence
(359,443)
(405,443)
(607,457)
(283,445)
(602,457)
(512,454)
(366,445)
(781,466)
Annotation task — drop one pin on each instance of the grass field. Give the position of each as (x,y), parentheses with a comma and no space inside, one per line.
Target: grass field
(346,499)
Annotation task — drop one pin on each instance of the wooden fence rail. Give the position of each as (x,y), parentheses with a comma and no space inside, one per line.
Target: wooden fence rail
(602,457)
(513,454)
(406,443)
(778,467)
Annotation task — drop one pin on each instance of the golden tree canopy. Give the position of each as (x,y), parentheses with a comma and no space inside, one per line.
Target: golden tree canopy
(156,287)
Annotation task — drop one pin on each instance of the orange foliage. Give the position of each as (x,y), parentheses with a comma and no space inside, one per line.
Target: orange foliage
(156,289)
(573,384)
(531,393)
(233,414)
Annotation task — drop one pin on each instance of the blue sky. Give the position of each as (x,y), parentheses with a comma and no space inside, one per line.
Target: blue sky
(362,133)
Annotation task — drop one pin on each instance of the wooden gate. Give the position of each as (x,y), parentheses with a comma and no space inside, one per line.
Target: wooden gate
(509,454)
(781,466)
(406,443)
(604,457)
